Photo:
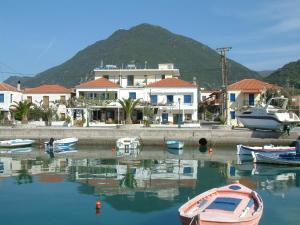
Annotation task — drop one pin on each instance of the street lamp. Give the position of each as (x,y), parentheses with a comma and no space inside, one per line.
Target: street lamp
(179,117)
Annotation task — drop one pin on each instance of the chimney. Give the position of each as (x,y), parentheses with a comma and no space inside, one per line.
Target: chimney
(19,86)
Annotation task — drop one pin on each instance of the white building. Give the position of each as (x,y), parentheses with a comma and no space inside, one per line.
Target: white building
(8,95)
(49,95)
(173,99)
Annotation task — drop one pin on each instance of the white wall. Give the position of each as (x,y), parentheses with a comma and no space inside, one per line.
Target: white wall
(10,97)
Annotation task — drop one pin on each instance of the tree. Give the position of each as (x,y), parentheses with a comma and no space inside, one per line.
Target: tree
(22,109)
(128,106)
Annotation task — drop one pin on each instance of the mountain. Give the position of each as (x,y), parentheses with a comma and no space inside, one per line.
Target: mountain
(287,75)
(142,43)
(265,73)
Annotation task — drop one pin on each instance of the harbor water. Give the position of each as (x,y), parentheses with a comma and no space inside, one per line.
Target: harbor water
(137,188)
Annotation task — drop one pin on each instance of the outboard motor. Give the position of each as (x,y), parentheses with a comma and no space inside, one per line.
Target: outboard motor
(297,147)
(50,144)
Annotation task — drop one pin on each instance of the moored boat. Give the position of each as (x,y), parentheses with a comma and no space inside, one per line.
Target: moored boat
(128,143)
(16,143)
(233,204)
(174,144)
(247,150)
(61,144)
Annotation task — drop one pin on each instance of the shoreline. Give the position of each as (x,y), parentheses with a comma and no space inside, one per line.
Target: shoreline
(151,136)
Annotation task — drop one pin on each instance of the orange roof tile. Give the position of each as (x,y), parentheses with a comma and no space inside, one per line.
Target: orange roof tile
(7,87)
(101,82)
(250,85)
(171,82)
(47,88)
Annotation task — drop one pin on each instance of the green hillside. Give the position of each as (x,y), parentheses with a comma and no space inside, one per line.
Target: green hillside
(139,44)
(289,73)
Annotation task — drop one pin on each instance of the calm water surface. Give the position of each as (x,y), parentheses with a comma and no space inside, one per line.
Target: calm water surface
(146,187)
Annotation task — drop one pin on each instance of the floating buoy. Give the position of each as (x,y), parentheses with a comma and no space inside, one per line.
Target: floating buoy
(98,204)
(210,150)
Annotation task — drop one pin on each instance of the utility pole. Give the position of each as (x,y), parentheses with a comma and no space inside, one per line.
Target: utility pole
(224,71)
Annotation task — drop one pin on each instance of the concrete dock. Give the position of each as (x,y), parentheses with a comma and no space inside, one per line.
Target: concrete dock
(151,136)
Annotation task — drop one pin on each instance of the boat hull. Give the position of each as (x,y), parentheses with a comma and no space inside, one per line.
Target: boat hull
(283,159)
(264,123)
(16,143)
(188,221)
(247,150)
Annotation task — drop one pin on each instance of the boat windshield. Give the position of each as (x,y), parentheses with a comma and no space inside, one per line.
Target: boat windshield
(277,103)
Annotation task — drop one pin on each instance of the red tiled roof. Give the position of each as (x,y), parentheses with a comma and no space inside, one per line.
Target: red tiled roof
(47,88)
(101,82)
(250,85)
(7,87)
(171,82)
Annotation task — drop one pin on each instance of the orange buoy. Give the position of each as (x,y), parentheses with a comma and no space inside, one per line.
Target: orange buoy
(210,150)
(98,204)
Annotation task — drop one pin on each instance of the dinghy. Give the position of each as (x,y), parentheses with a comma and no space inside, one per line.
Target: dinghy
(16,143)
(247,150)
(283,159)
(233,204)
(61,144)
(174,144)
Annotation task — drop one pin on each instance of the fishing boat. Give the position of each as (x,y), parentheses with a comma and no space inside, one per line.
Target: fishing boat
(61,144)
(174,144)
(233,204)
(283,159)
(271,116)
(16,143)
(128,143)
(247,150)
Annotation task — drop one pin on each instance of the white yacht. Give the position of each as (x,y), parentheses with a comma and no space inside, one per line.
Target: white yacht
(271,116)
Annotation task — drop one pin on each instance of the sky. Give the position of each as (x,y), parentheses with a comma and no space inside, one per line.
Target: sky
(36,35)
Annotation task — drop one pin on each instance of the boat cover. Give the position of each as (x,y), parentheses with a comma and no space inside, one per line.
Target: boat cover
(225,203)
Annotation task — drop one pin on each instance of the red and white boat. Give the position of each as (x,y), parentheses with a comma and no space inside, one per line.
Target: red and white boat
(233,204)
(247,150)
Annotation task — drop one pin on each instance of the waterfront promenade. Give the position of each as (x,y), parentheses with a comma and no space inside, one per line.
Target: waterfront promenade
(151,136)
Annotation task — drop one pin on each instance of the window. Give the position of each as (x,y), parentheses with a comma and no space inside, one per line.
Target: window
(188,117)
(163,76)
(232,97)
(62,99)
(132,95)
(169,99)
(251,99)
(46,101)
(153,99)
(232,115)
(1,98)
(187,99)
(29,99)
(130,80)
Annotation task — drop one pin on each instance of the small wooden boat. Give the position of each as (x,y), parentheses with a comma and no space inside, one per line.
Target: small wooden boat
(61,144)
(283,159)
(247,150)
(128,143)
(174,144)
(233,204)
(16,143)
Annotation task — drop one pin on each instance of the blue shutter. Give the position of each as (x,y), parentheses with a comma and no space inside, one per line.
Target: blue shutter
(169,99)
(232,115)
(153,99)
(232,97)
(132,95)
(1,98)
(187,99)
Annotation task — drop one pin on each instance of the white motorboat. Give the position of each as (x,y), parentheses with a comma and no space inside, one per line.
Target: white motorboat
(128,143)
(247,150)
(272,116)
(61,144)
(16,143)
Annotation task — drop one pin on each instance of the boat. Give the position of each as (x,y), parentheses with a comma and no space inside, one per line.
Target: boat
(61,144)
(174,151)
(174,144)
(128,143)
(16,143)
(271,116)
(233,204)
(247,150)
(283,159)
(134,152)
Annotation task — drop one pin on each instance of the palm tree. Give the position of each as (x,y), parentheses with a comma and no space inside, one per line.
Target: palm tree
(22,108)
(128,106)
